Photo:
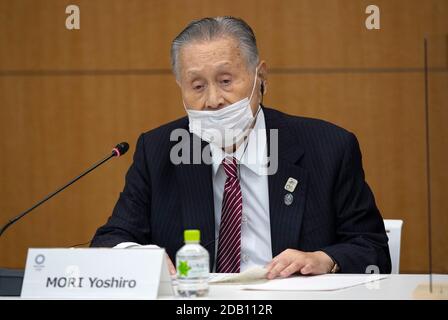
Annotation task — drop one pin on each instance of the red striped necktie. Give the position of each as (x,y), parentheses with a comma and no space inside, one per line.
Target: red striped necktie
(229,244)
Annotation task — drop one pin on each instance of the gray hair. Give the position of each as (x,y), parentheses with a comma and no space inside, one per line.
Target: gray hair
(214,28)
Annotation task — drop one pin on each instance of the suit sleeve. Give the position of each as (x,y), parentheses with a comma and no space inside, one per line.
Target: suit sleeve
(360,232)
(130,220)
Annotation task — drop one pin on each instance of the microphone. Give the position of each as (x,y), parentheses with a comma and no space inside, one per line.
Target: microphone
(119,150)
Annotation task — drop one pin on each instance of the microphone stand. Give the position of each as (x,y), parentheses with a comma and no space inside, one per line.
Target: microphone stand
(115,152)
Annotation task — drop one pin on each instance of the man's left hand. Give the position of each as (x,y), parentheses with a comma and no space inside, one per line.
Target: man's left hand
(293,261)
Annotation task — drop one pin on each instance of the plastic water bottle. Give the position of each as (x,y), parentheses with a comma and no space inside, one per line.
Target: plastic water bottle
(192,264)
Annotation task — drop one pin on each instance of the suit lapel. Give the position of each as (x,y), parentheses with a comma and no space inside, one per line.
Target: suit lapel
(285,217)
(196,196)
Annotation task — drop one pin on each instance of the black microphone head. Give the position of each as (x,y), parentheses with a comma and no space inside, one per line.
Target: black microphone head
(120,149)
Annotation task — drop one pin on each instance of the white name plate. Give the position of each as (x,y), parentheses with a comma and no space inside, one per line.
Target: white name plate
(96,273)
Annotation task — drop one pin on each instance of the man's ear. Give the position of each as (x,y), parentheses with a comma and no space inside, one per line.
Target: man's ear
(262,74)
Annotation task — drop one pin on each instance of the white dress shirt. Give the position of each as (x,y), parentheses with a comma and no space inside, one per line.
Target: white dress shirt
(256,246)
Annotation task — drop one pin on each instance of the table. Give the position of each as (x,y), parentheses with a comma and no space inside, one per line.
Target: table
(395,287)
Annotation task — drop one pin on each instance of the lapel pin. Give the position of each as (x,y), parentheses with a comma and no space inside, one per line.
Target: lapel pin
(289,198)
(291,184)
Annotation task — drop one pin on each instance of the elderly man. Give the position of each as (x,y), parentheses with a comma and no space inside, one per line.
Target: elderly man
(313,213)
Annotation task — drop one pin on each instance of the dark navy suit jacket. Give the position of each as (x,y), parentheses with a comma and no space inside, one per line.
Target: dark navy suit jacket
(333,209)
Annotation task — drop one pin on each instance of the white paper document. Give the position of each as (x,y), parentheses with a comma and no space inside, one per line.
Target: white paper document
(325,282)
(252,275)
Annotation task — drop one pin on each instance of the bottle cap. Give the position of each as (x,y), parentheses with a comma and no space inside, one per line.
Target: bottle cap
(192,235)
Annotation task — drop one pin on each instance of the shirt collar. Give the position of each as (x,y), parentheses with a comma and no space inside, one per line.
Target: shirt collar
(255,155)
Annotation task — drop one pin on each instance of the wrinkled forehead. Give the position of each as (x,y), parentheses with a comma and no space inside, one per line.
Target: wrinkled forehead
(212,55)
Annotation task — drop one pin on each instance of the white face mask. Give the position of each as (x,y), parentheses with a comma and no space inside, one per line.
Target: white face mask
(224,127)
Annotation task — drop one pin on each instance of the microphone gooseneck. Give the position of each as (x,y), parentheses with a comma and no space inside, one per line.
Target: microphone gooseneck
(119,150)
